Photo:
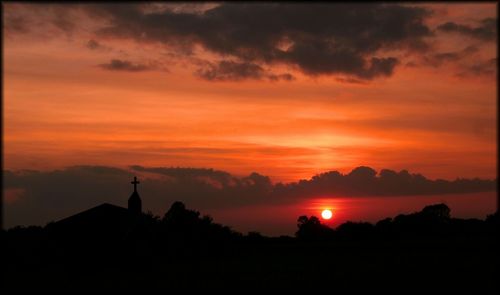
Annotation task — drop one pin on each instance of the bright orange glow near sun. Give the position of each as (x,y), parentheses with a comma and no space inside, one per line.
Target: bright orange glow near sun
(326,214)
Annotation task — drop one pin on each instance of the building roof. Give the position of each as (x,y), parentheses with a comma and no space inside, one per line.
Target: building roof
(104,220)
(100,219)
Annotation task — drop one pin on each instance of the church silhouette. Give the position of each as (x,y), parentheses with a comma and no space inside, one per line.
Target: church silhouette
(105,219)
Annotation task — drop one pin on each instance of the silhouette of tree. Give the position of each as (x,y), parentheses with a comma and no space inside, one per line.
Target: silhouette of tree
(186,226)
(432,220)
(493,223)
(355,230)
(312,229)
(438,211)
(384,227)
(184,246)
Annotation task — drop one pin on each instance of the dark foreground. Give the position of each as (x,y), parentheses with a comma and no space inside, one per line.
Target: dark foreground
(444,266)
(373,259)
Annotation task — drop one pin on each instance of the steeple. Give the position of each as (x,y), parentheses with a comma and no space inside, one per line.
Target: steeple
(134,202)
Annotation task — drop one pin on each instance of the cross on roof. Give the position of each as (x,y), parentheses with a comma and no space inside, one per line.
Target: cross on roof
(135,183)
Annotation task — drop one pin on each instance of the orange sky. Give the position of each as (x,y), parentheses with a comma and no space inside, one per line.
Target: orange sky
(60,109)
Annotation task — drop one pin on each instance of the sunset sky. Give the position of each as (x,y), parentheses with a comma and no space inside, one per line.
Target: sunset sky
(285,90)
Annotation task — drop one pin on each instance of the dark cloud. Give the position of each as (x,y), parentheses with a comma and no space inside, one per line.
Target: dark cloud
(186,173)
(480,68)
(364,181)
(16,24)
(126,66)
(93,44)
(318,39)
(286,77)
(350,41)
(42,196)
(235,71)
(447,56)
(229,70)
(486,31)
(411,64)
(467,63)
(351,81)
(64,22)
(438,59)
(43,20)
(380,67)
(50,195)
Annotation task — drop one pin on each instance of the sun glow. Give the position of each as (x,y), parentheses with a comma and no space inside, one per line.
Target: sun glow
(326,214)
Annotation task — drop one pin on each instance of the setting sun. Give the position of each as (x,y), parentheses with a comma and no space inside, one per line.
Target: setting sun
(326,214)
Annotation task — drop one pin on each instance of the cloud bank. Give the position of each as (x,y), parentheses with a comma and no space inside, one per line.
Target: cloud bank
(36,197)
(126,66)
(486,31)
